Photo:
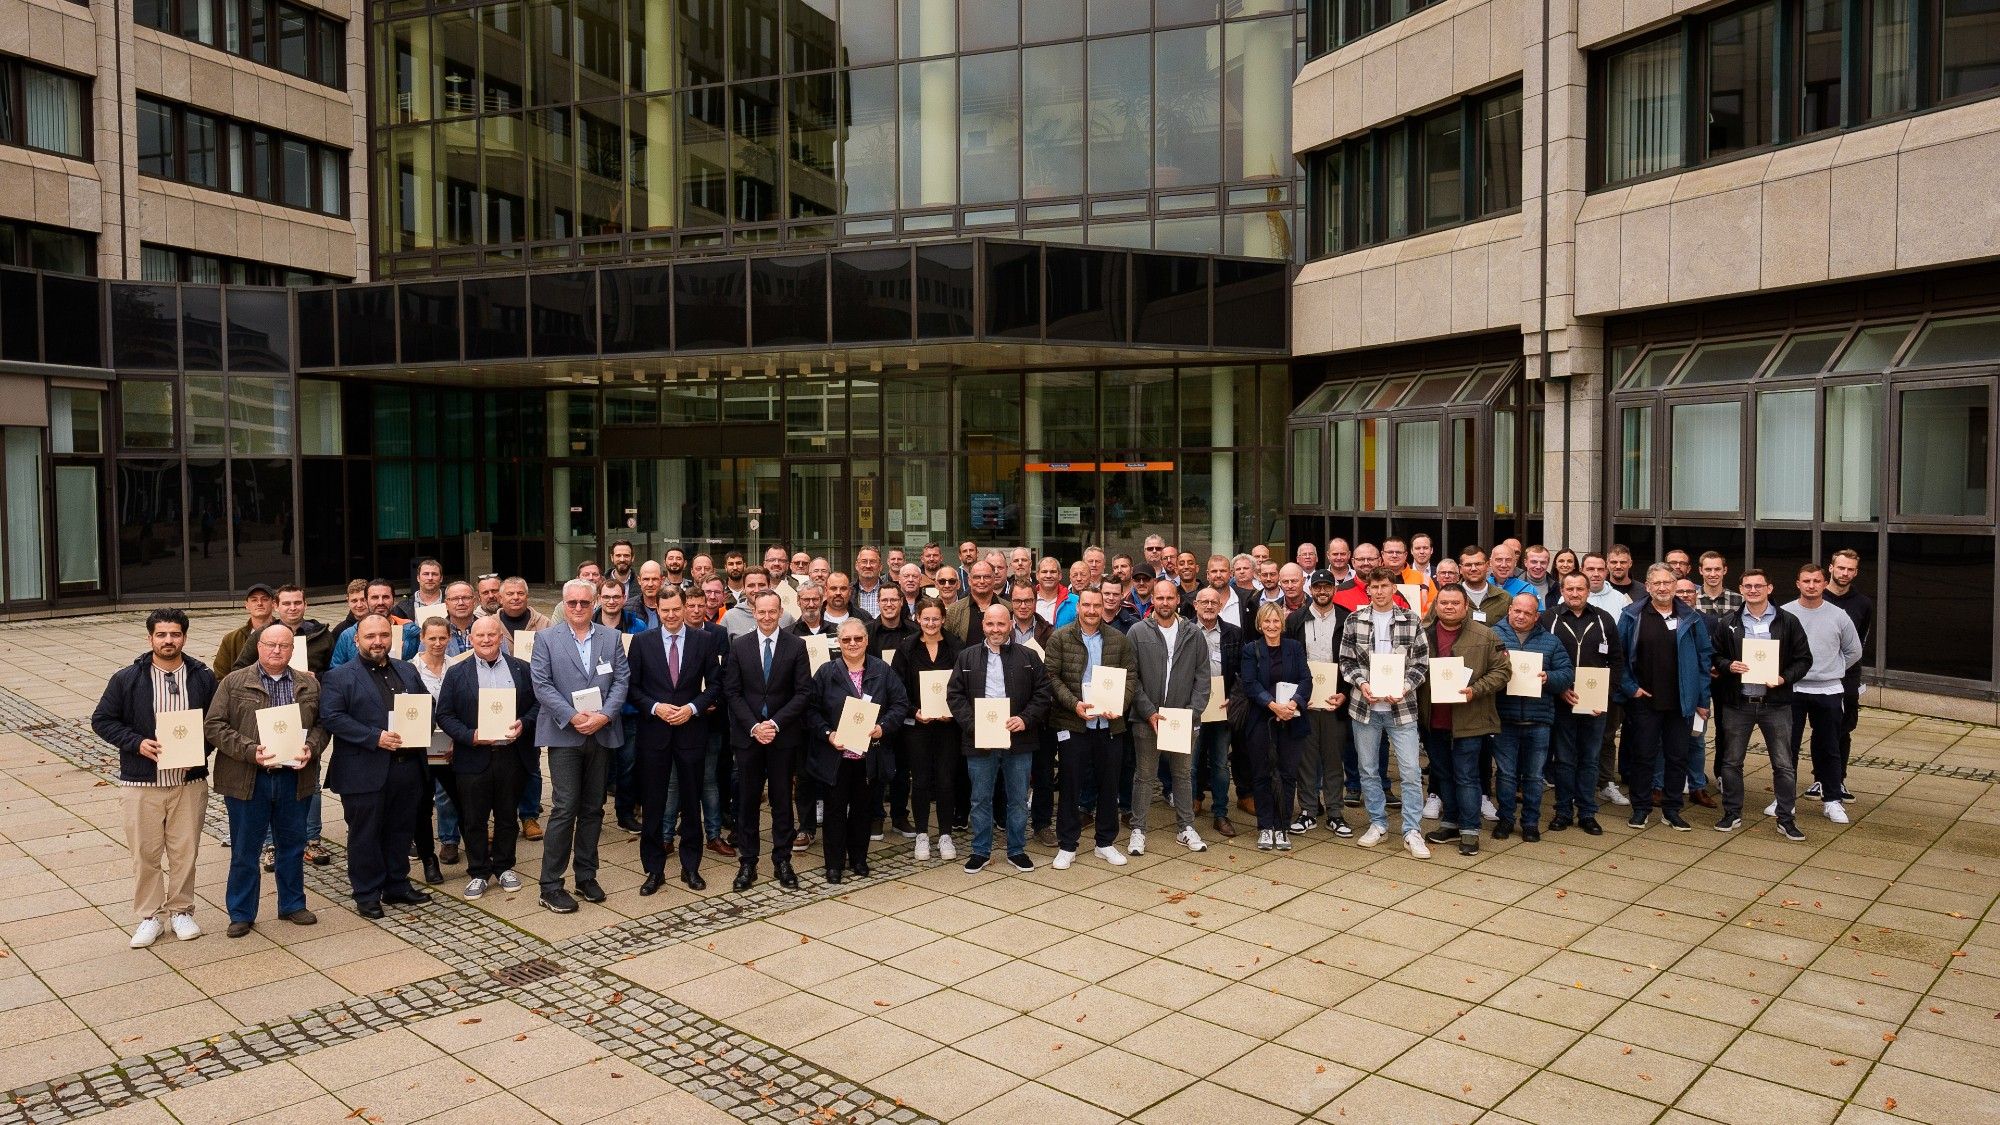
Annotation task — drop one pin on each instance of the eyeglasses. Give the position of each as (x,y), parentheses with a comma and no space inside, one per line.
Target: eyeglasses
(947,581)
(576,602)
(854,640)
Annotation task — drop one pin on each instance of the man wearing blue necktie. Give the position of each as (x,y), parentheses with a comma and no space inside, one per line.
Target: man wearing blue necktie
(676,676)
(764,684)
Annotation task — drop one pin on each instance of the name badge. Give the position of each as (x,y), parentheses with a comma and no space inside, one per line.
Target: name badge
(1604,648)
(1062,736)
(1479,615)
(866,698)
(1672,624)
(604,668)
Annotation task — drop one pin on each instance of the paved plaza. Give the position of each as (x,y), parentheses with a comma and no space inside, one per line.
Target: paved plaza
(1660,976)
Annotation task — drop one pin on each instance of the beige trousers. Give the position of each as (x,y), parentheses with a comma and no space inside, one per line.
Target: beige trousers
(164,825)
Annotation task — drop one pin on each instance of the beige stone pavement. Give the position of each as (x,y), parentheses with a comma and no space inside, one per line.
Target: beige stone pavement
(1655,976)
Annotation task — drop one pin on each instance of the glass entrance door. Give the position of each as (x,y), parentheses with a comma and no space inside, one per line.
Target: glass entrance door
(819,503)
(573,490)
(636,507)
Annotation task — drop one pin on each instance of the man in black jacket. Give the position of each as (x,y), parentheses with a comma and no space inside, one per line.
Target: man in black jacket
(382,783)
(1590,636)
(163,807)
(999,668)
(765,685)
(1742,704)
(489,771)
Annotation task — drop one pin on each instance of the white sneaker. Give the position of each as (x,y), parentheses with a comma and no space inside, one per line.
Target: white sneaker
(923,847)
(1373,836)
(1191,840)
(474,888)
(1835,812)
(1433,807)
(1137,844)
(1415,842)
(1486,809)
(147,933)
(945,850)
(510,882)
(1063,860)
(1771,809)
(1111,855)
(186,930)
(1281,840)
(1611,793)
(1263,839)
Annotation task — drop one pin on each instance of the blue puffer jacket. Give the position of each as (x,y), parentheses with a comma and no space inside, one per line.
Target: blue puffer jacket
(1555,661)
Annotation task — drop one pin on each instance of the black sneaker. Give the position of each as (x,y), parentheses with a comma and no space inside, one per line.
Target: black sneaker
(1845,795)
(1637,821)
(1791,832)
(1560,824)
(1674,821)
(1353,798)
(1304,823)
(1503,829)
(558,900)
(1468,843)
(1812,792)
(975,864)
(1341,829)
(1590,826)
(1021,862)
(1446,835)
(1729,823)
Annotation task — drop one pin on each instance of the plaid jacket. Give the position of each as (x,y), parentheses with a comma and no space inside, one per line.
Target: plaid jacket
(1406,635)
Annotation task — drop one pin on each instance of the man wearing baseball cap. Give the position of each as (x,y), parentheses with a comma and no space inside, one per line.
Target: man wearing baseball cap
(1317,625)
(260,602)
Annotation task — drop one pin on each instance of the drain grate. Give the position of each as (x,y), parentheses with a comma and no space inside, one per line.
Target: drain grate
(527,972)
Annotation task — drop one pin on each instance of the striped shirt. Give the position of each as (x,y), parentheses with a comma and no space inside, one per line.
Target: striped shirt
(170,693)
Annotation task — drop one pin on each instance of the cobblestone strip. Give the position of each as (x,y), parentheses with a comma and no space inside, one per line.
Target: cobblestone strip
(1928,769)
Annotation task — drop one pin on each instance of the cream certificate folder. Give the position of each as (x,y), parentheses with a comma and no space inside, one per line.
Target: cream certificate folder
(1760,659)
(1449,679)
(282,731)
(1413,595)
(1218,702)
(1593,690)
(496,712)
(1105,693)
(182,744)
(1385,675)
(989,725)
(857,718)
(410,717)
(524,644)
(1031,646)
(1527,677)
(1176,730)
(426,612)
(819,650)
(933,700)
(587,700)
(1326,683)
(298,660)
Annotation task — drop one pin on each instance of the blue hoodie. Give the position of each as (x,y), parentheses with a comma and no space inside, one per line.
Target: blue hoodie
(1555,662)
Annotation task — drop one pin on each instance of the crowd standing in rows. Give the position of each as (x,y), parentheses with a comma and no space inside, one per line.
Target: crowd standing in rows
(994,701)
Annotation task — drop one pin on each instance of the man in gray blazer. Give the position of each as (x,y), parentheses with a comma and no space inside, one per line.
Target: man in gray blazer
(576,656)
(1173,672)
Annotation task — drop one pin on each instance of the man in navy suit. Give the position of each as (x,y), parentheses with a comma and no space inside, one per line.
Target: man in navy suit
(489,770)
(382,784)
(765,683)
(577,656)
(676,677)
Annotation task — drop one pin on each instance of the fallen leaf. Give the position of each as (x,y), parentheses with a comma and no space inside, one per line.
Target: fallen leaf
(1936,1011)
(1888,1037)
(1083,1017)
(881,1003)
(803,939)
(358,1111)
(474,1019)
(1958,953)
(1320,1069)
(1626,1051)
(1836,1062)
(1890,1103)
(1645,1078)
(1956,914)
(520,1037)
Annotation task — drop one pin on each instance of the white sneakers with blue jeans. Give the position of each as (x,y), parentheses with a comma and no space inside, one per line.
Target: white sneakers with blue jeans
(1405,741)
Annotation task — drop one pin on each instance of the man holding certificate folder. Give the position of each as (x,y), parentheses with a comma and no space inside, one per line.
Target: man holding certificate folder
(1386,657)
(1541,673)
(267,776)
(999,693)
(1093,676)
(1589,635)
(382,782)
(487,707)
(1760,656)
(151,711)
(1173,691)
(580,679)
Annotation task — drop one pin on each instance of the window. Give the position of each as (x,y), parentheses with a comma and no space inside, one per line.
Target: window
(1417,464)
(1707,439)
(1414,176)
(178,143)
(1785,455)
(1336,23)
(1852,459)
(309,44)
(42,109)
(1944,433)
(47,248)
(1777,71)
(1306,472)
(146,412)
(167,263)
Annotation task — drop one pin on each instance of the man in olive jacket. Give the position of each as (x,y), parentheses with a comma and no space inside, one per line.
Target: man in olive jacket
(1456,729)
(261,791)
(1085,738)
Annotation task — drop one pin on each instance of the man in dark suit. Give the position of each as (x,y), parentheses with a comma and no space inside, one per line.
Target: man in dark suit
(382,784)
(765,684)
(996,668)
(489,771)
(676,677)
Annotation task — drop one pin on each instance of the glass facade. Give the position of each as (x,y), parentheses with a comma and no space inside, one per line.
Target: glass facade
(550,130)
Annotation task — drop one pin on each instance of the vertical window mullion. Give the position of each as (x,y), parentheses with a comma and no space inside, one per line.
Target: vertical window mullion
(1694,94)
(1471,123)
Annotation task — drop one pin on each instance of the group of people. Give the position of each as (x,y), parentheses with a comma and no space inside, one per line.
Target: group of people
(995,698)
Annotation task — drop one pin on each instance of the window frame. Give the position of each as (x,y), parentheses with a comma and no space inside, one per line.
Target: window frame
(322,29)
(1894,517)
(228,128)
(14,72)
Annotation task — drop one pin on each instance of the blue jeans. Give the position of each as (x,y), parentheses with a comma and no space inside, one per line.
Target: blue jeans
(1455,762)
(273,807)
(1577,739)
(531,787)
(1518,757)
(1352,765)
(711,796)
(312,820)
(447,814)
(1211,765)
(1370,737)
(1697,754)
(985,770)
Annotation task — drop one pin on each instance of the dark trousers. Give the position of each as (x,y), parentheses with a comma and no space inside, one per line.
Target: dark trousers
(764,772)
(624,772)
(890,790)
(1654,736)
(655,771)
(441,778)
(1274,773)
(379,826)
(1607,749)
(490,795)
(937,756)
(578,776)
(1733,724)
(1042,781)
(806,800)
(1577,739)
(1454,770)
(849,815)
(1825,715)
(276,808)
(1321,761)
(1094,750)
(1211,766)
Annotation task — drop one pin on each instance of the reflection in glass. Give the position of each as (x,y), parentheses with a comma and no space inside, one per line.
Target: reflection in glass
(984,24)
(704,145)
(930,133)
(1137,411)
(1642,112)
(1256,100)
(813,131)
(1121,109)
(868,151)
(261,518)
(1707,448)
(1937,579)
(989,128)
(1742,69)
(871,295)
(1820,62)
(1052,139)
(754,160)
(1785,455)
(1187,115)
(600,169)
(1061,411)
(150,549)
(1946,452)
(867,32)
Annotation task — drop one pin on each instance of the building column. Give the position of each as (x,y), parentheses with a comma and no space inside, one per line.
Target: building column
(1563,350)
(1034,486)
(1222,466)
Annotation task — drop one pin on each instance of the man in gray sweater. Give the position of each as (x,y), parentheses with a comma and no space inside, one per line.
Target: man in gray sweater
(1173,672)
(1817,698)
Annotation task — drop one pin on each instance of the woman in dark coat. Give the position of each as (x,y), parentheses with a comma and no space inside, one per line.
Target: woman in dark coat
(1275,732)
(933,747)
(848,773)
